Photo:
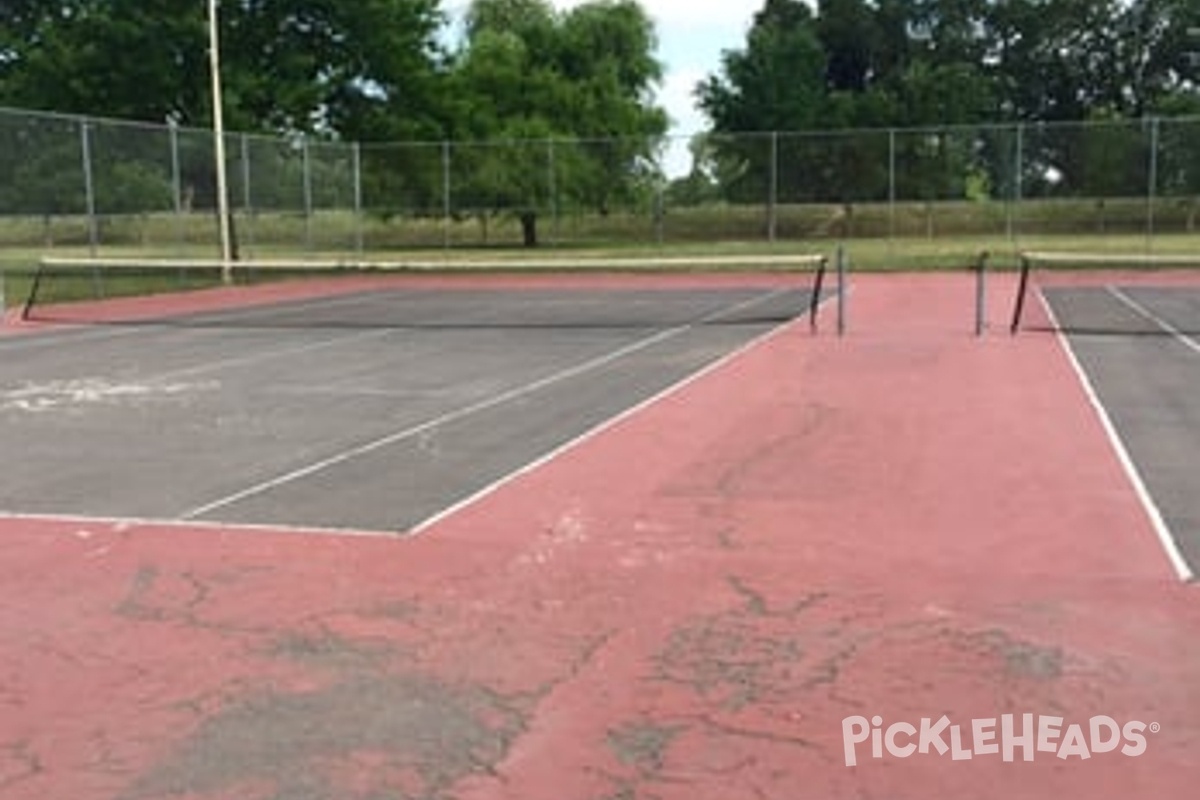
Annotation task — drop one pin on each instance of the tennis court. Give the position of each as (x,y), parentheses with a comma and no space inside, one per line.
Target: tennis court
(1132,336)
(672,543)
(370,406)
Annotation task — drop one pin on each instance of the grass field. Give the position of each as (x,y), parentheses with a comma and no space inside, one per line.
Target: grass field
(877,236)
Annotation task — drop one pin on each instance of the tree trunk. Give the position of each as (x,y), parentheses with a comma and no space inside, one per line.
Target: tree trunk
(529,228)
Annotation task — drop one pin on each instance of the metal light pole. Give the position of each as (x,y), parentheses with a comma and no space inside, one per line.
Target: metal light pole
(214,60)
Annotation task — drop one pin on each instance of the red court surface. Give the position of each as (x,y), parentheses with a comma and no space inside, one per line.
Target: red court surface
(904,523)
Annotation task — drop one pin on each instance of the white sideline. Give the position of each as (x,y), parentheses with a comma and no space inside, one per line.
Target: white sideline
(1153,513)
(595,431)
(514,393)
(123,523)
(1141,310)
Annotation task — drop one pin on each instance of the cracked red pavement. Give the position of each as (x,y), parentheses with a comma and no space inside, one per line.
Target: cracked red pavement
(905,523)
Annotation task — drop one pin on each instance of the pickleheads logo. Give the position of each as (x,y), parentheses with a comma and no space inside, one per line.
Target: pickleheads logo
(1005,737)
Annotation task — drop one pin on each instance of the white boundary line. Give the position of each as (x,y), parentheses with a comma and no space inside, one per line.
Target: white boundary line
(1182,570)
(465,411)
(1141,310)
(120,523)
(592,433)
(68,332)
(599,429)
(270,354)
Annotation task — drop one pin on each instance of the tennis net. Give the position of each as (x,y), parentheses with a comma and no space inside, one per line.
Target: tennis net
(1108,293)
(543,292)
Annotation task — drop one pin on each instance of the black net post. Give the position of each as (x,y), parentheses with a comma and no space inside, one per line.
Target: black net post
(31,297)
(1022,288)
(814,302)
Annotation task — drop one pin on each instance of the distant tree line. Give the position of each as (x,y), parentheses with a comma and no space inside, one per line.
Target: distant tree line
(522,72)
(877,64)
(367,71)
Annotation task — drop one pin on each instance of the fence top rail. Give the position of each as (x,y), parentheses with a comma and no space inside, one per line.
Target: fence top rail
(816,133)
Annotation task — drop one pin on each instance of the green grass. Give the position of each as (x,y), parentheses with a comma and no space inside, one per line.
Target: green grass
(877,236)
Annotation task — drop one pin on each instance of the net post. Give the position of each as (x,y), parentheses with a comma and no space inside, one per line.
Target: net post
(814,302)
(981,267)
(842,265)
(1022,287)
(27,306)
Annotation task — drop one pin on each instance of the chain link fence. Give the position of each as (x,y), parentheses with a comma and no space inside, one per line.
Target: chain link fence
(104,186)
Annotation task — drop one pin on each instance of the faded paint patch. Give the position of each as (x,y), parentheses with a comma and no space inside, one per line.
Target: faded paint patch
(418,735)
(76,393)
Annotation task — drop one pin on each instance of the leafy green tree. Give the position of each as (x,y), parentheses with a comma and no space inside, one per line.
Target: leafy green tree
(323,66)
(1156,54)
(777,83)
(368,70)
(852,42)
(560,102)
(140,59)
(701,184)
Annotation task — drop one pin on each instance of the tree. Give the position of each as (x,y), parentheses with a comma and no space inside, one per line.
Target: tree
(851,39)
(139,59)
(561,102)
(701,184)
(316,66)
(777,83)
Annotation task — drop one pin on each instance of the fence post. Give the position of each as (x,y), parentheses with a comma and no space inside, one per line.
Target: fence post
(247,192)
(773,189)
(306,169)
(356,178)
(85,146)
(176,183)
(1152,184)
(1018,177)
(447,205)
(552,173)
(891,190)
